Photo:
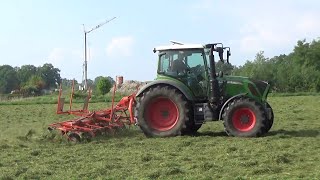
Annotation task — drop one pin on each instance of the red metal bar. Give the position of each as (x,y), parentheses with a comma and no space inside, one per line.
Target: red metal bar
(59,100)
(71,95)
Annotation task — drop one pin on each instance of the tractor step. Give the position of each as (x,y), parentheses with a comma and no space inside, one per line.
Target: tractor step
(203,112)
(199,113)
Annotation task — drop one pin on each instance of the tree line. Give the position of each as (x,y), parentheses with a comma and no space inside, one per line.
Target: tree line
(31,80)
(28,79)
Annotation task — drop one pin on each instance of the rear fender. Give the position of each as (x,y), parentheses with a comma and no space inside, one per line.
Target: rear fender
(178,85)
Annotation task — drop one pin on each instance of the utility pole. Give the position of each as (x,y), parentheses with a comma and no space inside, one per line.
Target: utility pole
(85,50)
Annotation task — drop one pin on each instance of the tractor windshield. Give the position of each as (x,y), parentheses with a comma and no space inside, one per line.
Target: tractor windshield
(186,65)
(179,62)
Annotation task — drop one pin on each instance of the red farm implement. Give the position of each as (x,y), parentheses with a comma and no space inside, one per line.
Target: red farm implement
(92,123)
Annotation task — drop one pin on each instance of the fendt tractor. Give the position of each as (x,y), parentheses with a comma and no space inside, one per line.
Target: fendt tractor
(188,92)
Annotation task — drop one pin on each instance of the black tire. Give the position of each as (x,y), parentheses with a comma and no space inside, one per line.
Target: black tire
(244,117)
(191,128)
(270,119)
(74,137)
(162,112)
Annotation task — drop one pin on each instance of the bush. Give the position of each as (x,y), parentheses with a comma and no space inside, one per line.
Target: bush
(80,94)
(30,90)
(104,85)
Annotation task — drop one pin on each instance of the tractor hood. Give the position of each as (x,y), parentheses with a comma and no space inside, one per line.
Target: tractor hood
(234,85)
(233,78)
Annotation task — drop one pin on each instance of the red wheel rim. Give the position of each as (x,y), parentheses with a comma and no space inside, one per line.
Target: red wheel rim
(244,119)
(162,114)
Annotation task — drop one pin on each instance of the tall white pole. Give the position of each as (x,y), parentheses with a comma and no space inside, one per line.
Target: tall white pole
(85,50)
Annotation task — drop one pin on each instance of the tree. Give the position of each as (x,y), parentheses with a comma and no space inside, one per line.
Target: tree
(224,67)
(67,83)
(90,83)
(25,72)
(96,80)
(295,72)
(36,81)
(8,79)
(34,86)
(103,85)
(111,80)
(50,75)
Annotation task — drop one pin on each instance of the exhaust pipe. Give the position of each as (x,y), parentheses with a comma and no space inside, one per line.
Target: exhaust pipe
(215,96)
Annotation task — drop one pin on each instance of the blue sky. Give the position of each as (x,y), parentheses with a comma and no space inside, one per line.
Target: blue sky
(42,31)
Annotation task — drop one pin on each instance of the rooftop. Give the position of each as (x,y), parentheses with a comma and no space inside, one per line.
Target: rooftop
(179,46)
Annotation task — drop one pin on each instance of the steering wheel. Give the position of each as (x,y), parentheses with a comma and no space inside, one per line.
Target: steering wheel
(196,70)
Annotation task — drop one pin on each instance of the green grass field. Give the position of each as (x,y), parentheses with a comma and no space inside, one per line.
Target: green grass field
(290,151)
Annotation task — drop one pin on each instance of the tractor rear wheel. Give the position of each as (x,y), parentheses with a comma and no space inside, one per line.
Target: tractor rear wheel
(244,117)
(162,112)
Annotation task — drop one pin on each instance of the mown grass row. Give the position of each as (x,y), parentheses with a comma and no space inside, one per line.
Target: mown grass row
(79,98)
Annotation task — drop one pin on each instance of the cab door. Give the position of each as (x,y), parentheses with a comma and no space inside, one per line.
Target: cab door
(197,76)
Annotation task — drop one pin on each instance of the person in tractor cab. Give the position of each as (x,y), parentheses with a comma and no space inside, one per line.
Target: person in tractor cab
(179,66)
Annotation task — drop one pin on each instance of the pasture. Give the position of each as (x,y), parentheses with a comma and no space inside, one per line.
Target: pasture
(291,150)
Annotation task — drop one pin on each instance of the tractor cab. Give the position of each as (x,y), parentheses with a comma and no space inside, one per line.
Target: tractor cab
(187,64)
(190,64)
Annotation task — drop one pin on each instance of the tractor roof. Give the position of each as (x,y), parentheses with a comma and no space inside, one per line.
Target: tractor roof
(179,46)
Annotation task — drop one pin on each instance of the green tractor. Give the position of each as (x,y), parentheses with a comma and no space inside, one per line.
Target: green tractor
(188,92)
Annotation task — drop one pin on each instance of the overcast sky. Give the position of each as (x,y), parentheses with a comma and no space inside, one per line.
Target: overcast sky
(50,31)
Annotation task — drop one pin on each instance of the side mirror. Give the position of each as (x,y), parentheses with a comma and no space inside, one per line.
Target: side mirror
(228,55)
(220,51)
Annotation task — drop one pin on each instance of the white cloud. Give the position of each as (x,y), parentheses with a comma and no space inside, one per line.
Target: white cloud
(309,23)
(263,25)
(258,36)
(68,60)
(203,5)
(120,46)
(77,54)
(57,55)
(277,29)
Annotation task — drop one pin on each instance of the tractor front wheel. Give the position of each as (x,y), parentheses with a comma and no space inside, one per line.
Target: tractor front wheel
(270,119)
(244,117)
(191,128)
(162,112)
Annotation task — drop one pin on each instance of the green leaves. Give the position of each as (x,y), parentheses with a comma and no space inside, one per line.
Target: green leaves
(8,79)
(104,85)
(297,72)
(28,78)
